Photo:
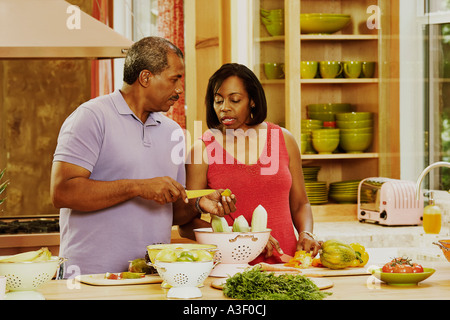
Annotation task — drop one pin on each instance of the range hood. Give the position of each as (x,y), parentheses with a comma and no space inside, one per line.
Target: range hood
(55,29)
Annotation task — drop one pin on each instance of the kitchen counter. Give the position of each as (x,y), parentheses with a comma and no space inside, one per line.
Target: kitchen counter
(361,287)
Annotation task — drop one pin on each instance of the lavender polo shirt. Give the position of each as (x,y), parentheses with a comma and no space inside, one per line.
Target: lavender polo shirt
(106,138)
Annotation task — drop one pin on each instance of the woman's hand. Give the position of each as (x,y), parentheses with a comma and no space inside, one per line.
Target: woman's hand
(215,203)
(271,245)
(309,244)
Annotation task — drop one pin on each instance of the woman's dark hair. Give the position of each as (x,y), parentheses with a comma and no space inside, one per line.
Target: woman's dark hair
(252,86)
(149,53)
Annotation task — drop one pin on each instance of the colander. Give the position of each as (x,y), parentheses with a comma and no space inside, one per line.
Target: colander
(25,277)
(234,249)
(154,249)
(184,277)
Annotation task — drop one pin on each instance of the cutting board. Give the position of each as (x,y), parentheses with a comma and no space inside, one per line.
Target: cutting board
(99,280)
(326,272)
(320,283)
(318,272)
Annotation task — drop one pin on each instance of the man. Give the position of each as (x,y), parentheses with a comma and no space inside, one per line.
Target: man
(112,174)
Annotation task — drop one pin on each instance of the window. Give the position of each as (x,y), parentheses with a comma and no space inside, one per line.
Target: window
(425,89)
(437,88)
(134,19)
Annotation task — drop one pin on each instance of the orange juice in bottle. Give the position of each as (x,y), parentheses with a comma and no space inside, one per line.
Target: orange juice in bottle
(432,217)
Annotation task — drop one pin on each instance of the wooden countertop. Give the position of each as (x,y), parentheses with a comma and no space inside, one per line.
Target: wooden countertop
(360,287)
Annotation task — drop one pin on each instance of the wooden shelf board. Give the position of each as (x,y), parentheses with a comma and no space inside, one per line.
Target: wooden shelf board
(323,37)
(338,81)
(365,155)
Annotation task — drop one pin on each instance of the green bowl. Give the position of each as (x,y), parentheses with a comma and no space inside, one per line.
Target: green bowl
(325,146)
(402,279)
(325,133)
(326,23)
(357,131)
(354,116)
(356,143)
(324,116)
(343,124)
(330,107)
(303,144)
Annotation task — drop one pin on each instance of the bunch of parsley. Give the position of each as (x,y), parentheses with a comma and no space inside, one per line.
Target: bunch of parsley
(256,285)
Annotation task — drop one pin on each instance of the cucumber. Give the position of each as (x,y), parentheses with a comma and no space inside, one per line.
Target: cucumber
(259,219)
(219,224)
(241,225)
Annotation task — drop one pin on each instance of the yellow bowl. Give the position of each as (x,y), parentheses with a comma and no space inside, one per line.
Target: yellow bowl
(326,23)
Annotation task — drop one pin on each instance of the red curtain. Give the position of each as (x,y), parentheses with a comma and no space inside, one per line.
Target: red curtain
(171,27)
(101,70)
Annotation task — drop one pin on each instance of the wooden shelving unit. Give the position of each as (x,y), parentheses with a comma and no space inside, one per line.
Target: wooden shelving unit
(288,98)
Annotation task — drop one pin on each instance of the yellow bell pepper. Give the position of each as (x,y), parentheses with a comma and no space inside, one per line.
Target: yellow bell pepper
(361,255)
(301,259)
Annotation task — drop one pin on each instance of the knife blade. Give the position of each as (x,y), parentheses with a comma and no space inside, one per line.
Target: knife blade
(198,193)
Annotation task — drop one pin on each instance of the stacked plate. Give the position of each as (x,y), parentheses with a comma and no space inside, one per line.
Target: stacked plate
(344,191)
(317,192)
(310,173)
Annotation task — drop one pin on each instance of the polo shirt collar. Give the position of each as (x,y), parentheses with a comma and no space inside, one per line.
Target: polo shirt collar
(123,109)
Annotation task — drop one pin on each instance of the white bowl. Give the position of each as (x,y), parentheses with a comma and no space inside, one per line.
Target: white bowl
(234,249)
(184,277)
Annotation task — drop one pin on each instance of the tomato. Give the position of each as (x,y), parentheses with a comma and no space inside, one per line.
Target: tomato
(417,268)
(402,265)
(402,268)
(387,268)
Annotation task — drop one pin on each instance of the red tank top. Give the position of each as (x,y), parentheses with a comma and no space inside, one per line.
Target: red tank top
(267,183)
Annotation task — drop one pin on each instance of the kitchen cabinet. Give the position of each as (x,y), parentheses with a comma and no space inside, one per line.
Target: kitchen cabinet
(360,40)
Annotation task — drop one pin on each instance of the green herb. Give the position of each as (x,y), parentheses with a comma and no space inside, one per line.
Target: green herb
(256,285)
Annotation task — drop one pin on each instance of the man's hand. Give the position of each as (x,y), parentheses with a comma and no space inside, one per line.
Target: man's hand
(162,190)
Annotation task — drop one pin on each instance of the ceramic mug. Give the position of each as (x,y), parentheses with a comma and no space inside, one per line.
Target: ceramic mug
(330,69)
(352,69)
(274,70)
(308,69)
(367,69)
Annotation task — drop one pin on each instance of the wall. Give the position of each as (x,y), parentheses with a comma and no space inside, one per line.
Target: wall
(35,98)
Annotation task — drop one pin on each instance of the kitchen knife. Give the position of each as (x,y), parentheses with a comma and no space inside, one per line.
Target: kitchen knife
(198,193)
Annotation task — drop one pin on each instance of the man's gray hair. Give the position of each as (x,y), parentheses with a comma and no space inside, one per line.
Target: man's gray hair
(149,53)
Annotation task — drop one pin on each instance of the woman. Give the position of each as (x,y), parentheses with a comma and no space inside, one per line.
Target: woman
(259,161)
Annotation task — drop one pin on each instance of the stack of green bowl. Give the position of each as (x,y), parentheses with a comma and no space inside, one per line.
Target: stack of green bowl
(325,141)
(273,20)
(307,126)
(356,131)
(310,173)
(326,112)
(344,191)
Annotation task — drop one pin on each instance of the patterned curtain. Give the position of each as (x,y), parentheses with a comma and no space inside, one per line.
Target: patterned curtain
(171,27)
(101,70)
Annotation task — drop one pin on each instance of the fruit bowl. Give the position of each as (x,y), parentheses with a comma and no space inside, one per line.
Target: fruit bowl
(22,278)
(234,249)
(323,23)
(154,249)
(402,279)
